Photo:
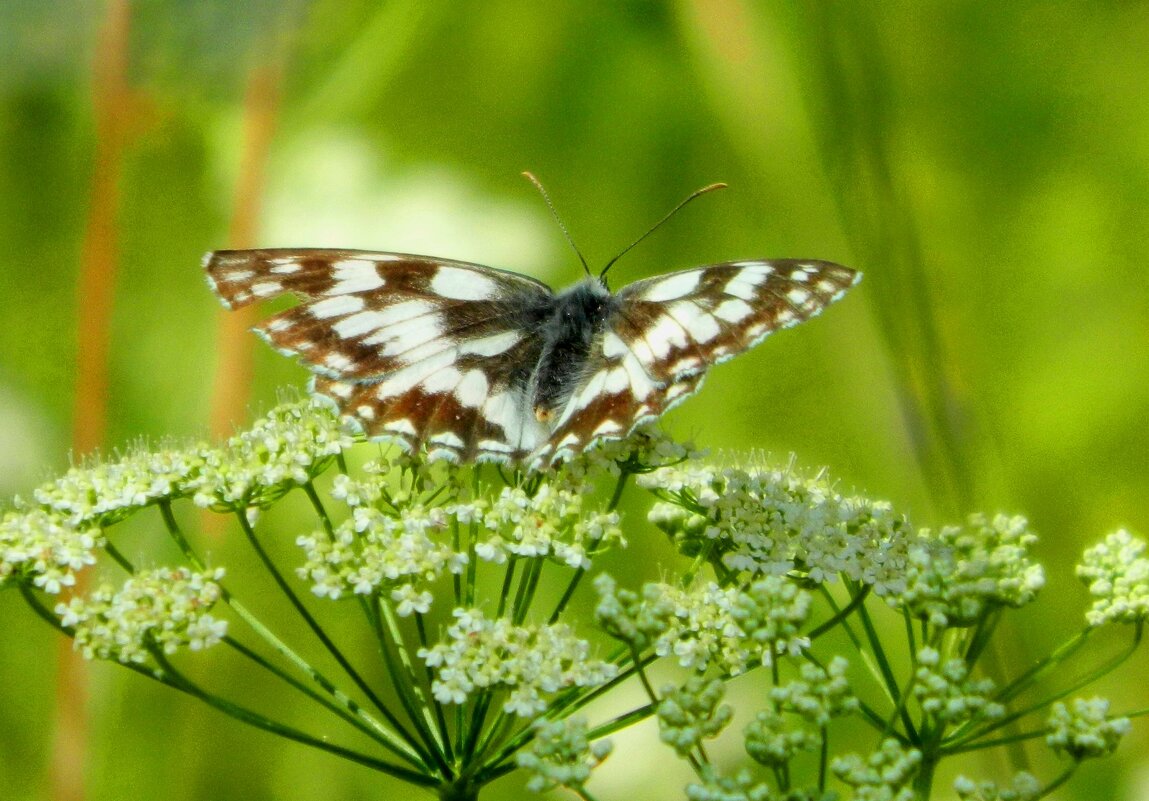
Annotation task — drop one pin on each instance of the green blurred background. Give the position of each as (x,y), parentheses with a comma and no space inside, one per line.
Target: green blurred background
(985,164)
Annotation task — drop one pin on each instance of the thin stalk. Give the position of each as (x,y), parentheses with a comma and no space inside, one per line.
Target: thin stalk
(407,745)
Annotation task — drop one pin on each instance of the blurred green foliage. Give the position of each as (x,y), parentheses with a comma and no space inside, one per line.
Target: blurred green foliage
(985,164)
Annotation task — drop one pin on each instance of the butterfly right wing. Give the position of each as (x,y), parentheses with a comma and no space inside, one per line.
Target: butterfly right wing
(667,331)
(426,352)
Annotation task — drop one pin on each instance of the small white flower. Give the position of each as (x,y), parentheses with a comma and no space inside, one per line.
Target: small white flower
(1087,731)
(164,608)
(1117,573)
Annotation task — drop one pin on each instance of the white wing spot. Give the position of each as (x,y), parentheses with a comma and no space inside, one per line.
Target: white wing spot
(401,426)
(664,335)
(337,306)
(798,296)
(354,275)
(570,439)
(613,346)
(607,427)
(640,383)
(337,361)
(494,446)
(360,323)
(234,276)
(448,439)
(700,325)
(366,412)
(743,285)
(733,310)
(407,378)
(402,337)
(472,390)
(616,381)
(459,284)
(491,345)
(591,391)
(286,268)
(785,318)
(265,289)
(800,276)
(672,288)
(444,380)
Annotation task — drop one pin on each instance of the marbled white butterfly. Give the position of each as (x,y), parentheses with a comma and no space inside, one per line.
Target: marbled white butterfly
(473,363)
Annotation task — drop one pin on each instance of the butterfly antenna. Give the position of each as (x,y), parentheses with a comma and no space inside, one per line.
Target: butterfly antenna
(657,225)
(531,177)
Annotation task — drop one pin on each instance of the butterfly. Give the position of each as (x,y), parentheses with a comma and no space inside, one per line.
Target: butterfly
(473,363)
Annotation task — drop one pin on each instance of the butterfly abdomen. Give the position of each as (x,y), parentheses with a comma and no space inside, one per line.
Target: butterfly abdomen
(576,322)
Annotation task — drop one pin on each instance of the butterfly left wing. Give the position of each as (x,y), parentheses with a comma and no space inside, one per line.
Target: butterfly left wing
(666,332)
(422,351)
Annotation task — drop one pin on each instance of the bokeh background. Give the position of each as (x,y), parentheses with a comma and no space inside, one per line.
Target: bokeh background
(985,164)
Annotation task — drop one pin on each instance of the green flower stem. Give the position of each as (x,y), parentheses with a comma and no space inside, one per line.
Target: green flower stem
(1043,666)
(969,744)
(398,741)
(877,653)
(174,678)
(982,635)
(1065,776)
(114,552)
(44,612)
(347,709)
(316,629)
(429,677)
(620,722)
(478,721)
(508,580)
(409,688)
(1089,678)
(856,600)
(561,606)
(528,584)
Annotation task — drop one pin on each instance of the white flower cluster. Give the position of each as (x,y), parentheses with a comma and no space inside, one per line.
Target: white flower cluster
(286,448)
(1087,731)
(732,628)
(1117,572)
(560,754)
(948,695)
(957,574)
(104,493)
(1023,787)
(770,521)
(883,776)
(819,694)
(740,787)
(645,448)
(689,714)
(163,608)
(527,661)
(551,523)
(41,546)
(817,697)
(372,550)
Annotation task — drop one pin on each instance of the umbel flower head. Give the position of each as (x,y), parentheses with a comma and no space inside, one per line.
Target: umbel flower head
(767,521)
(46,549)
(1117,573)
(165,609)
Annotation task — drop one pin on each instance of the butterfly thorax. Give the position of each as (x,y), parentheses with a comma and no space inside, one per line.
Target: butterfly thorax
(575,322)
